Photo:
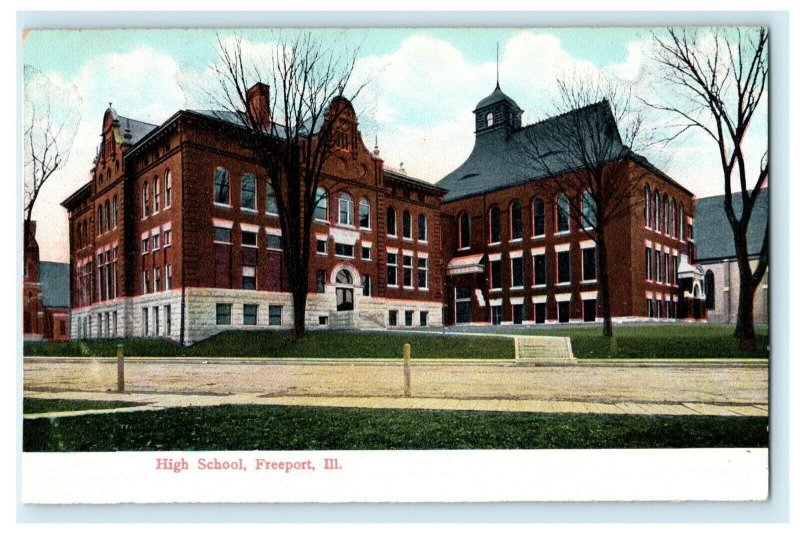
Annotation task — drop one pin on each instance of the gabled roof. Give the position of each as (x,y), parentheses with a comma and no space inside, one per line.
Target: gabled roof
(54,278)
(498,160)
(713,236)
(496,96)
(137,129)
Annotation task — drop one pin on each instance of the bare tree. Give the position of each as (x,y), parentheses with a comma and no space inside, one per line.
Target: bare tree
(718,79)
(292,139)
(51,123)
(586,153)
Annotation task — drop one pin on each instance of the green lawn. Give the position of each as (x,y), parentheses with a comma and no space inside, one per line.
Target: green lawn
(31,405)
(656,341)
(305,428)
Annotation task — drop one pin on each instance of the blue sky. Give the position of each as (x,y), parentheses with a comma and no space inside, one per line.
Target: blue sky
(423,86)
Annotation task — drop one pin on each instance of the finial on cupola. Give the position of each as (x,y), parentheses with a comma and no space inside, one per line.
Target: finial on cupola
(377,151)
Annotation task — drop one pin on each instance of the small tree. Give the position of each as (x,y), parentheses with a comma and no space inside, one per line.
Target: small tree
(718,79)
(51,121)
(587,157)
(304,83)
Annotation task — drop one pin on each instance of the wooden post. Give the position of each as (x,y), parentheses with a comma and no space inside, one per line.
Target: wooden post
(120,368)
(407,369)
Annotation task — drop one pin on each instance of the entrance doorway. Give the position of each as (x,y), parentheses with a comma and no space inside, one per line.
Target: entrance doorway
(344,291)
(463,305)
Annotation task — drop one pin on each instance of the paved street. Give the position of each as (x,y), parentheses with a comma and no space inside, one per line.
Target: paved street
(679,388)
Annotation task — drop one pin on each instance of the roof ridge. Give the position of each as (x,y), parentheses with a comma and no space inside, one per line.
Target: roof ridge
(564,114)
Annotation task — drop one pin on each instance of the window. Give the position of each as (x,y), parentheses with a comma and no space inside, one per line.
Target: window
(517,272)
(367,285)
(681,222)
(114,211)
(423,318)
(363,213)
(250,314)
(391,222)
(675,270)
(589,310)
(562,213)
(366,252)
(248,277)
(272,202)
(221,189)
(667,268)
(497,314)
(107,217)
(222,235)
(167,276)
(167,237)
(538,217)
(274,242)
(658,266)
(409,318)
(650,311)
(648,214)
(321,205)
(344,250)
(223,314)
(422,228)
(392,317)
(167,189)
(156,195)
(563,312)
(664,214)
(145,245)
(113,324)
(156,322)
(249,239)
(495,274)
(489,120)
(657,211)
(648,263)
(463,231)
(406,225)
(322,246)
(667,216)
(494,225)
(539,270)
(463,305)
(408,271)
(145,322)
(156,241)
(563,267)
(249,192)
(588,210)
(99,220)
(145,281)
(320,281)
(345,209)
(167,316)
(156,279)
(422,273)
(516,220)
(589,265)
(275,315)
(145,200)
(391,269)
(518,313)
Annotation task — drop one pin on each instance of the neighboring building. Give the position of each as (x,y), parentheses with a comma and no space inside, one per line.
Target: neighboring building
(716,253)
(45,295)
(515,255)
(177,235)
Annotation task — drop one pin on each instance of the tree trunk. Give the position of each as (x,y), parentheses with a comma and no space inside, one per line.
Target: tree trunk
(745,331)
(299,312)
(603,289)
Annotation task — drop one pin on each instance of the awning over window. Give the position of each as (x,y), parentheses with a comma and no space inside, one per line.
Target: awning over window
(465,265)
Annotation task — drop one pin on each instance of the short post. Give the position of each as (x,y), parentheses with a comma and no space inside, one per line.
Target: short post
(120,368)
(407,368)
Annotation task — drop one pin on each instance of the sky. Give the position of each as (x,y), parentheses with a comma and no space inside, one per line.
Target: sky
(422,85)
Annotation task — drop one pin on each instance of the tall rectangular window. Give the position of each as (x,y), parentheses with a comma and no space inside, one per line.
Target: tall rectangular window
(367,285)
(409,318)
(221,192)
(516,220)
(248,192)
(275,315)
(658,266)
(167,320)
(320,281)
(366,252)
(250,314)
(540,312)
(156,279)
(518,313)
(563,267)
(563,312)
(156,197)
(408,271)
(167,189)
(392,317)
(422,273)
(648,262)
(113,324)
(167,237)
(422,229)
(248,277)
(145,282)
(322,246)
(589,265)
(156,322)
(496,274)
(539,270)
(145,323)
(168,276)
(223,314)
(538,217)
(391,269)
(497,314)
(562,213)
(406,225)
(517,277)
(423,318)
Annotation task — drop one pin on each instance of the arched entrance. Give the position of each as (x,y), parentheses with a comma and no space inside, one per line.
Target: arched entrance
(344,291)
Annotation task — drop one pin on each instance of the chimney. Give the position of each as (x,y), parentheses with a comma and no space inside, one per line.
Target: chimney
(258,105)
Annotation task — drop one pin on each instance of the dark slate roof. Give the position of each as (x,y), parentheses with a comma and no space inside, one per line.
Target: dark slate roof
(402,177)
(496,96)
(712,231)
(240,119)
(54,278)
(138,129)
(499,160)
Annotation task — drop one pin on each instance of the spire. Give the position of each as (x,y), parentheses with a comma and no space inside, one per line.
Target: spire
(497,63)
(377,151)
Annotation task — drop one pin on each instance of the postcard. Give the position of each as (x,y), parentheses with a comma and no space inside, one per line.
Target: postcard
(395,265)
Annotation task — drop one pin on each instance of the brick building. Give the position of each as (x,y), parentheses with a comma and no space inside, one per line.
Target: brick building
(45,294)
(517,256)
(177,235)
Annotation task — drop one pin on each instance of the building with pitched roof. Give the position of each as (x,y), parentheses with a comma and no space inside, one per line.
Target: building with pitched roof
(717,255)
(45,294)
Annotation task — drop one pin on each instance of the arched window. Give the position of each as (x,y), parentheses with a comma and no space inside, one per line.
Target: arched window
(588,210)
(272,203)
(321,204)
(145,200)
(344,277)
(657,211)
(422,228)
(709,280)
(489,120)
(494,225)
(114,211)
(221,187)
(406,225)
(345,209)
(664,208)
(668,216)
(107,221)
(363,213)
(648,213)
(99,220)
(156,195)
(682,221)
(391,222)
(463,231)
(249,192)
(516,220)
(167,188)
(538,216)
(674,219)
(562,213)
